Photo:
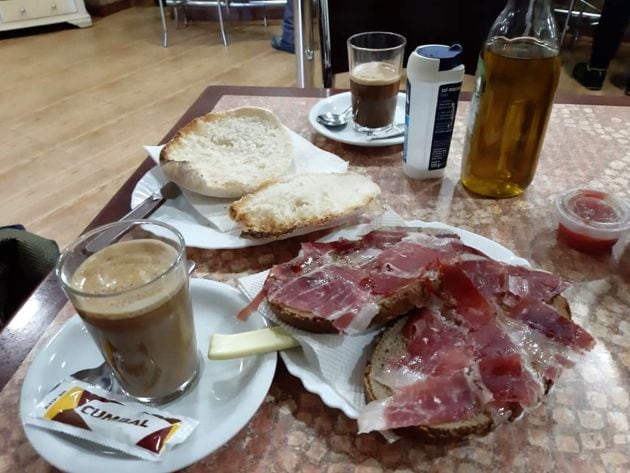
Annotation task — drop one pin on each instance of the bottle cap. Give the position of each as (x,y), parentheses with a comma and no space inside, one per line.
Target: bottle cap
(449,57)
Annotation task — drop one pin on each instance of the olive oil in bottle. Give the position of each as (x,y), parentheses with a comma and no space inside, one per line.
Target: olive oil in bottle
(517,76)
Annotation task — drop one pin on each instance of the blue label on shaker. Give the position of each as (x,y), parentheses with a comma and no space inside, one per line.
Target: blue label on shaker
(445,112)
(407,96)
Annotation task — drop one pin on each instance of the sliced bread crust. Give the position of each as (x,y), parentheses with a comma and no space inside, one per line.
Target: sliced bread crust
(309,200)
(390,344)
(229,153)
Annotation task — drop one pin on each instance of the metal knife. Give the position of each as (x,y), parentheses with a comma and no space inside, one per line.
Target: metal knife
(144,209)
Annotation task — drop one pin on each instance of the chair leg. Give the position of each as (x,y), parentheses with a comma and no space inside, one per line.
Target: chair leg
(175,10)
(164,30)
(577,34)
(328,78)
(221,25)
(565,28)
(186,21)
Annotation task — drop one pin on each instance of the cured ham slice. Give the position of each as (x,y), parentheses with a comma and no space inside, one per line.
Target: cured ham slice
(539,351)
(382,239)
(434,400)
(338,291)
(417,253)
(343,280)
(435,346)
(546,320)
(469,303)
(506,284)
(503,371)
(385,284)
(541,285)
(509,381)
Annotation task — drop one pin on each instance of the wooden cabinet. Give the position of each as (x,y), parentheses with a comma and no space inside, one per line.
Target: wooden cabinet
(16,14)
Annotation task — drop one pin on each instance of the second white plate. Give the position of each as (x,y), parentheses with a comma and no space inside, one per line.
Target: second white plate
(337,104)
(226,397)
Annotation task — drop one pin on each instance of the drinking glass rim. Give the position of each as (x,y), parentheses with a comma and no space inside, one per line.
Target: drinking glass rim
(65,254)
(391,48)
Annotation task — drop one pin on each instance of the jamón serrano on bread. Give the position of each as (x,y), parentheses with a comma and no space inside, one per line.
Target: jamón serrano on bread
(301,201)
(444,374)
(229,153)
(472,342)
(350,285)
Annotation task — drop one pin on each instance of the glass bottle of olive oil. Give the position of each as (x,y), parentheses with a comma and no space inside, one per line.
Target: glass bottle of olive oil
(516,80)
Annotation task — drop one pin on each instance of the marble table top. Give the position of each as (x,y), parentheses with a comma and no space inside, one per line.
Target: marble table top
(582,425)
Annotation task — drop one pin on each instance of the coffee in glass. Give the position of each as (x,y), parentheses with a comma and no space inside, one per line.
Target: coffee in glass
(133,298)
(375,63)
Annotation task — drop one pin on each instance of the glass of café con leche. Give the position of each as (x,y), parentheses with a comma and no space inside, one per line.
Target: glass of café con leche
(129,283)
(375,63)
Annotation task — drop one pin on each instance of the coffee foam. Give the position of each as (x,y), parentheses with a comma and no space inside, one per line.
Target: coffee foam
(121,271)
(374,73)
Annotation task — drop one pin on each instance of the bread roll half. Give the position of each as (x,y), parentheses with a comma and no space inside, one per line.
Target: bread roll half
(303,200)
(230,153)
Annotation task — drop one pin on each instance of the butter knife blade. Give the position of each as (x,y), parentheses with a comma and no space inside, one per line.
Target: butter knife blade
(144,209)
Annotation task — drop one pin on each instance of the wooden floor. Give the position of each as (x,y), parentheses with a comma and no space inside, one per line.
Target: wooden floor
(76,106)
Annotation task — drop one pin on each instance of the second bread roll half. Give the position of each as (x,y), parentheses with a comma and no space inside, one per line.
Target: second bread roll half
(301,201)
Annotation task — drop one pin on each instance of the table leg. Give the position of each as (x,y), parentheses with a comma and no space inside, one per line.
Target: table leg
(304,53)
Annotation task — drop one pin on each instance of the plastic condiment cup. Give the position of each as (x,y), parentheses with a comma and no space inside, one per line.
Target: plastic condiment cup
(591,221)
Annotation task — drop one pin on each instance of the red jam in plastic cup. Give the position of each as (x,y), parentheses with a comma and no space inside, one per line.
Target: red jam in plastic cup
(591,221)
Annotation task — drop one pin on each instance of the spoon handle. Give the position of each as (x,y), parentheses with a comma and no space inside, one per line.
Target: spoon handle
(386,136)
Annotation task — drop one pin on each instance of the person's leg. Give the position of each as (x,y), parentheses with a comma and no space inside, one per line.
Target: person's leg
(608,36)
(288,35)
(609,33)
(286,42)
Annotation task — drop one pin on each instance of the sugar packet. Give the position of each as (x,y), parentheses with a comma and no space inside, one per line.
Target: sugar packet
(91,413)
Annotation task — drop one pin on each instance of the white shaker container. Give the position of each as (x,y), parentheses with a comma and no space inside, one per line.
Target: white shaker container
(434,79)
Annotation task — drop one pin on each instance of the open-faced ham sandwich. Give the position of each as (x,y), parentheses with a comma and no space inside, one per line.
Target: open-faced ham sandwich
(480,342)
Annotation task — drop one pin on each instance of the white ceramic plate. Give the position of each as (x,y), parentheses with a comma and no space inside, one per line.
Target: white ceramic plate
(195,228)
(197,231)
(337,104)
(295,360)
(204,221)
(226,397)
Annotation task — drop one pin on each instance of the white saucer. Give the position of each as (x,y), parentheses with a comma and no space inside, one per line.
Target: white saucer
(226,397)
(337,104)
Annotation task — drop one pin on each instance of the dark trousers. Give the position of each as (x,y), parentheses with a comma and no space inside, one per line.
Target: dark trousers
(287,24)
(612,24)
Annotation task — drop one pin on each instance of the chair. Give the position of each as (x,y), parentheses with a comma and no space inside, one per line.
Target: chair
(430,21)
(220,5)
(25,259)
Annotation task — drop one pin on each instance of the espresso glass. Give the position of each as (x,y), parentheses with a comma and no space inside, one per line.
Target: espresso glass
(128,282)
(375,63)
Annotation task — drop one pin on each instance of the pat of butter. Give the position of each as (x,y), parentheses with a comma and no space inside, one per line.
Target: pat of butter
(225,347)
